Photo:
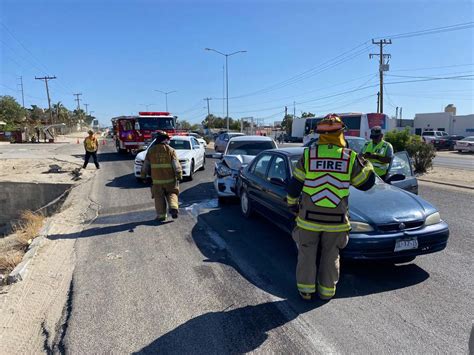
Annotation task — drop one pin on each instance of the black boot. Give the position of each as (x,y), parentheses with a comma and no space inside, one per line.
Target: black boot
(174,213)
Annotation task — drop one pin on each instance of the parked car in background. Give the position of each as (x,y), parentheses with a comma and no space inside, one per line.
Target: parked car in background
(465,144)
(446,142)
(199,139)
(387,222)
(191,155)
(221,141)
(430,136)
(239,153)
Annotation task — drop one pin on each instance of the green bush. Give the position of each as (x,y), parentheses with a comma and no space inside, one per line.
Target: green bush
(398,139)
(421,153)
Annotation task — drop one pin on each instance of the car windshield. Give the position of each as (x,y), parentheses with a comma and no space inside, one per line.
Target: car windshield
(179,144)
(469,139)
(153,124)
(248,147)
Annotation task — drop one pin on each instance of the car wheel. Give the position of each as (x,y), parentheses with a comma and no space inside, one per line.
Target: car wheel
(245,204)
(459,151)
(139,180)
(120,150)
(191,171)
(203,167)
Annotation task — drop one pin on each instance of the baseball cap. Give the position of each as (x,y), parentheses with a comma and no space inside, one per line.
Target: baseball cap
(376,132)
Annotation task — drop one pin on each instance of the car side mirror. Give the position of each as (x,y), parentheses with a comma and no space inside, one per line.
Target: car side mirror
(395,177)
(278,181)
(217,156)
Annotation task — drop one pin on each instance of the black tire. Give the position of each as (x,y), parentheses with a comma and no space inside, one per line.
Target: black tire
(191,171)
(119,150)
(245,204)
(140,180)
(203,167)
(459,151)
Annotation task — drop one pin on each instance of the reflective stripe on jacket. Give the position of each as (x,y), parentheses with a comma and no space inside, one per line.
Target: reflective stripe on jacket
(320,183)
(164,164)
(328,174)
(379,149)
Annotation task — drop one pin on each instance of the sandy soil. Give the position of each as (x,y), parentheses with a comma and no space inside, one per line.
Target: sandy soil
(449,175)
(36,170)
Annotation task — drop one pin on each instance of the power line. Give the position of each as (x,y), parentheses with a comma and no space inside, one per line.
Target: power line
(429,68)
(435,30)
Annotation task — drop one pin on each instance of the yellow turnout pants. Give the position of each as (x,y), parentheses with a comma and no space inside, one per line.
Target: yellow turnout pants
(327,274)
(166,194)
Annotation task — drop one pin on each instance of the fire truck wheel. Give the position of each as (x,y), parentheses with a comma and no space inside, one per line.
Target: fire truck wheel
(120,150)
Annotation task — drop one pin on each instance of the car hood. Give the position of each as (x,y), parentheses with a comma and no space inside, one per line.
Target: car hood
(235,162)
(184,154)
(384,204)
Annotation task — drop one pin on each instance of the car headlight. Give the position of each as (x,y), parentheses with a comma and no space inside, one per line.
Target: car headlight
(361,227)
(223,170)
(139,161)
(184,161)
(433,218)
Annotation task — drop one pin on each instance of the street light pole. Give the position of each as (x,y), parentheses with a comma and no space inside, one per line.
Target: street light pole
(226,55)
(166,96)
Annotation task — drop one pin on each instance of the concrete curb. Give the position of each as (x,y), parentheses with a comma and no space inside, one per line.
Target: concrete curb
(446,183)
(19,272)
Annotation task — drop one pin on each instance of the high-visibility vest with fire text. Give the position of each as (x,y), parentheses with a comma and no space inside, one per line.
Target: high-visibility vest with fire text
(379,149)
(328,174)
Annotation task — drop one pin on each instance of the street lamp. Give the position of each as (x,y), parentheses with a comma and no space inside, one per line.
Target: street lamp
(166,96)
(147,105)
(226,55)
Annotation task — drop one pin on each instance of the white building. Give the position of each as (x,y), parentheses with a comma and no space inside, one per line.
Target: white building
(448,121)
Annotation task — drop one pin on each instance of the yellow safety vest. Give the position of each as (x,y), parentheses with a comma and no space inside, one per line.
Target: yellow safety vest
(165,168)
(380,149)
(328,174)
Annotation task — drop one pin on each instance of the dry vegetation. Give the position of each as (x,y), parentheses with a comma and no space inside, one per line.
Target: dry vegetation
(13,247)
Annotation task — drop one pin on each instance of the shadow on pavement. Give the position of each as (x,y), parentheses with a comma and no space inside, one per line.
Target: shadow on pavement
(266,257)
(196,193)
(127,181)
(236,331)
(109,156)
(101,231)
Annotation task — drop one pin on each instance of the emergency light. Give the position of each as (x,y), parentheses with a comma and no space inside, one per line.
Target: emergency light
(154,113)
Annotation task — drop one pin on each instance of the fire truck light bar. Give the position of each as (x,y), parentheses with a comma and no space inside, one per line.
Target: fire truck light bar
(154,113)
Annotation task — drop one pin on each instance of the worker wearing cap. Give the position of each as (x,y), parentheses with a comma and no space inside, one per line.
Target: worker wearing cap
(318,193)
(91,146)
(165,170)
(378,152)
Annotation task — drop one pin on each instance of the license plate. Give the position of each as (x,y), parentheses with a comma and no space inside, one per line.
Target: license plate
(406,244)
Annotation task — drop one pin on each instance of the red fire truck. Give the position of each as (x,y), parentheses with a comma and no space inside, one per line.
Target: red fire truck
(132,133)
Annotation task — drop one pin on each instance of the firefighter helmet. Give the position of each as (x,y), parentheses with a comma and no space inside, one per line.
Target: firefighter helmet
(161,136)
(331,123)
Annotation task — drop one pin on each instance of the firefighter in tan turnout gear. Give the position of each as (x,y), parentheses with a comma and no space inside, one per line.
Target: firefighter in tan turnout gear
(319,194)
(162,163)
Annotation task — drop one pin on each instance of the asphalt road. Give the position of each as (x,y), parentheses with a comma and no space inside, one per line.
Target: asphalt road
(454,160)
(217,283)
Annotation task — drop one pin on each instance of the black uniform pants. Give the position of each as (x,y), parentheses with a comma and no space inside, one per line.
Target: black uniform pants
(88,156)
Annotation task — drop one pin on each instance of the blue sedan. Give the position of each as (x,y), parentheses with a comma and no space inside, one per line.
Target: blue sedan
(388,223)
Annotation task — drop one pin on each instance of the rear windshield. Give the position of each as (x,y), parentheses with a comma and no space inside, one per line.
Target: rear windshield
(248,147)
(180,144)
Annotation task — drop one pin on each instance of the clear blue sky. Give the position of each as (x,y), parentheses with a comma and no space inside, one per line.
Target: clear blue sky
(117,52)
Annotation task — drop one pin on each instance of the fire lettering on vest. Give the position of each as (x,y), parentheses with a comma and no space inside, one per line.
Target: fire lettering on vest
(331,165)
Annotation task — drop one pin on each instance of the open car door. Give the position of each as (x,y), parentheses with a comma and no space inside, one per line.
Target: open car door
(401,164)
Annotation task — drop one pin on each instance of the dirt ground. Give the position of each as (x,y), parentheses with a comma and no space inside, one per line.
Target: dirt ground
(36,170)
(450,176)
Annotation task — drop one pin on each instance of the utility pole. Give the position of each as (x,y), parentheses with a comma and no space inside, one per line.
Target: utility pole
(286,111)
(378,102)
(46,78)
(294,110)
(382,67)
(86,105)
(78,100)
(208,109)
(22,92)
